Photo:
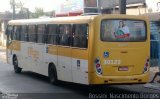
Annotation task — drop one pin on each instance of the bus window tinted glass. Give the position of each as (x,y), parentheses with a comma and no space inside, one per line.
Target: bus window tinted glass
(123,30)
(65,34)
(40,33)
(16,32)
(24,34)
(9,30)
(80,35)
(52,37)
(32,33)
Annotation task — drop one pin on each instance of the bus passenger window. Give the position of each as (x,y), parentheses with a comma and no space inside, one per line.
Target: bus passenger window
(40,33)
(80,35)
(16,32)
(65,35)
(52,37)
(32,33)
(24,34)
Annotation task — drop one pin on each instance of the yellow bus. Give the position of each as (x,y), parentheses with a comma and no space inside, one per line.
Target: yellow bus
(95,49)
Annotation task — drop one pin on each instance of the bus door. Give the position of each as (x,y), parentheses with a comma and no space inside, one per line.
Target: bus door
(64,53)
(32,52)
(51,45)
(80,53)
(40,50)
(123,49)
(9,33)
(23,60)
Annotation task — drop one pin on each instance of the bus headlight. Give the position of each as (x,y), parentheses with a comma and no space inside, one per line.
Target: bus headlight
(98,66)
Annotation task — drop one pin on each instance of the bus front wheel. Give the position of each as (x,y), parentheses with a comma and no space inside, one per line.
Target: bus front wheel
(15,64)
(53,74)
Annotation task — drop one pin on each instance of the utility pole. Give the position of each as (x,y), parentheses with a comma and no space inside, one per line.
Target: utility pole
(158,6)
(13,4)
(99,6)
(122,6)
(27,12)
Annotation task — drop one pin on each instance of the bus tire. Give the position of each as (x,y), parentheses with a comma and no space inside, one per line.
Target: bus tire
(52,74)
(15,64)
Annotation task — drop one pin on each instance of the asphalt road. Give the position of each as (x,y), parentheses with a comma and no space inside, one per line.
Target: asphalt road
(29,84)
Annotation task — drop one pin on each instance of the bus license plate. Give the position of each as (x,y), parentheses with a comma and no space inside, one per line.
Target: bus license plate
(122,68)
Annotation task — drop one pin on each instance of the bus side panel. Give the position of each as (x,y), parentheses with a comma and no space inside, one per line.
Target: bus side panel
(64,64)
(13,49)
(91,40)
(51,56)
(27,56)
(9,54)
(80,66)
(39,53)
(23,63)
(35,58)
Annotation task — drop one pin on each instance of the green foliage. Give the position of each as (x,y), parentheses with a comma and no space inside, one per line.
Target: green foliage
(38,12)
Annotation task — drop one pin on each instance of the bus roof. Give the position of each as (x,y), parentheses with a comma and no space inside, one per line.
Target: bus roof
(57,20)
(73,19)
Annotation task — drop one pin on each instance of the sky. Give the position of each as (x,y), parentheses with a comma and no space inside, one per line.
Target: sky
(49,5)
(153,4)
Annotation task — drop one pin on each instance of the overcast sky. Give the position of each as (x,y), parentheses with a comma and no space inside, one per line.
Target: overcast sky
(49,5)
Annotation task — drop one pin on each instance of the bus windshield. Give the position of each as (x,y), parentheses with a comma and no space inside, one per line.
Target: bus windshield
(123,30)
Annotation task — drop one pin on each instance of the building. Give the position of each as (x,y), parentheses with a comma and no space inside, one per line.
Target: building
(68,7)
(4,18)
(155,36)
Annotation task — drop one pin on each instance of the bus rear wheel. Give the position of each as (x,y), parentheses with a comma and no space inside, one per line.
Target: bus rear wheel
(15,64)
(53,75)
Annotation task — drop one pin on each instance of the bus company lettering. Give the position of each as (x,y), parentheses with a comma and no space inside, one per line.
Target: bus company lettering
(33,53)
(112,62)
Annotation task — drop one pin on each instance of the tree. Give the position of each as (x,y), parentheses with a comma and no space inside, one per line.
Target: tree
(23,13)
(19,11)
(38,12)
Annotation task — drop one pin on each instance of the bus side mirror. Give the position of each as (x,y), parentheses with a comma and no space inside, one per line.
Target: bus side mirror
(8,42)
